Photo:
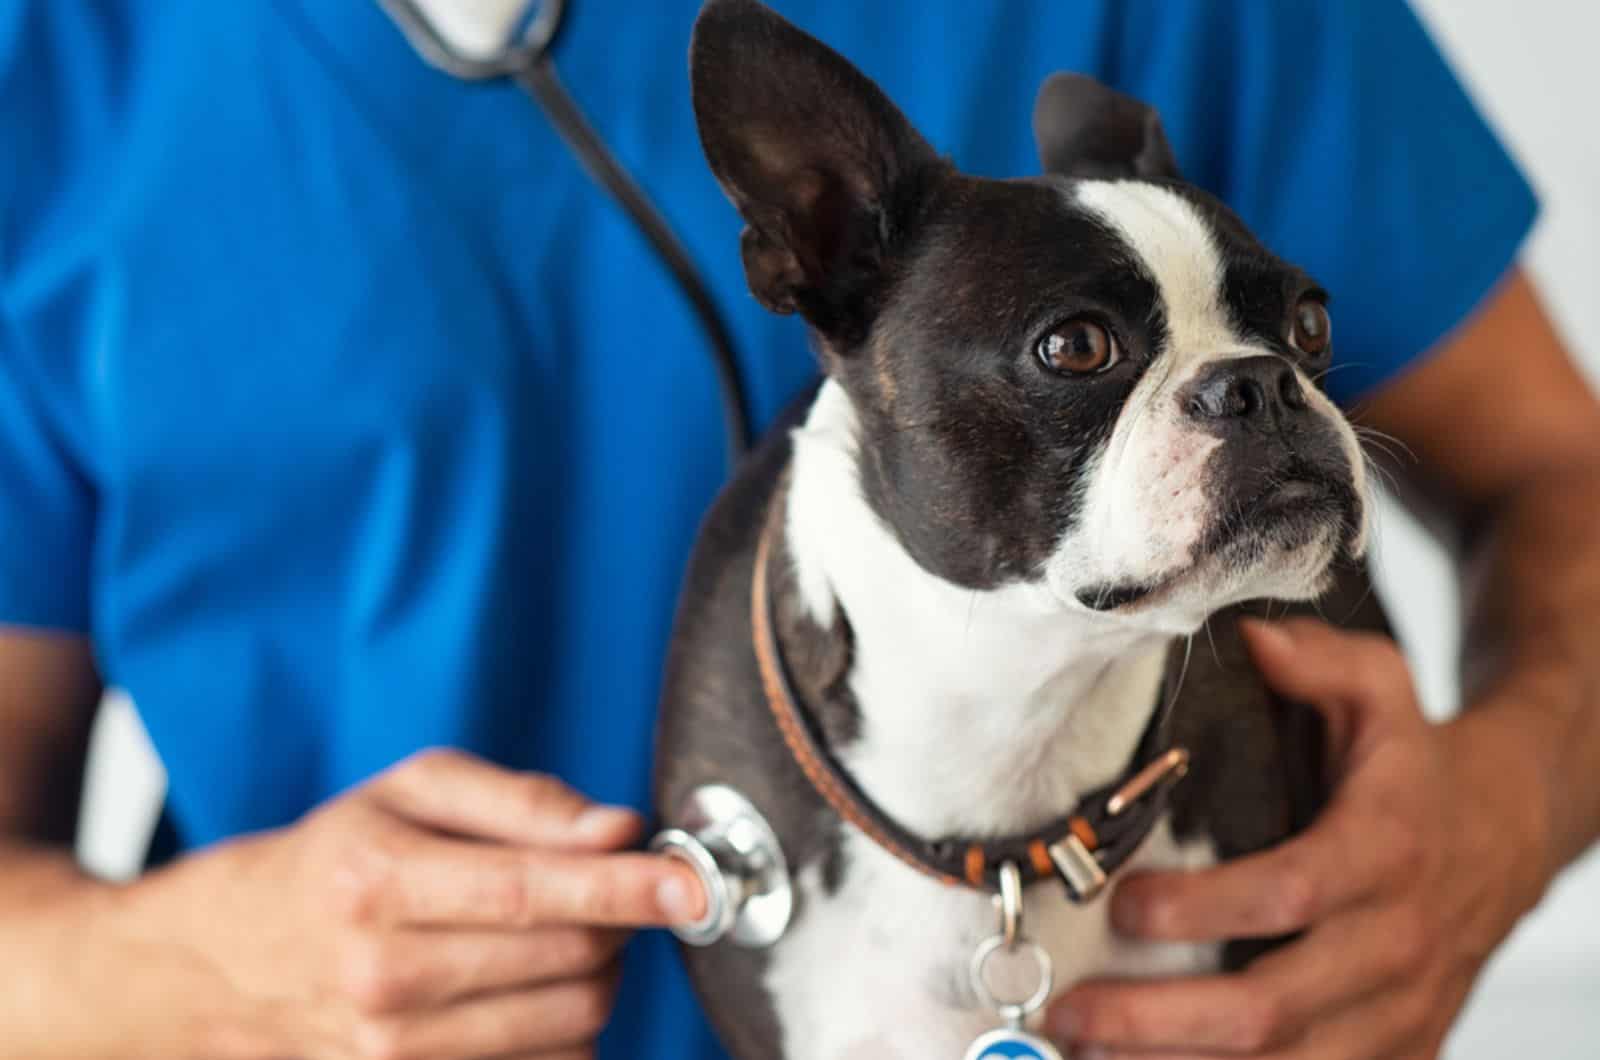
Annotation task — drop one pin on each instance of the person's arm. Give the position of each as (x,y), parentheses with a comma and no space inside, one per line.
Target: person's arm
(447,909)
(1438,837)
(1506,435)
(48,694)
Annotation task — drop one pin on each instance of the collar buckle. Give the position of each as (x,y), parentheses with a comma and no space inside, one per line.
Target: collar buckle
(1078,861)
(1079,869)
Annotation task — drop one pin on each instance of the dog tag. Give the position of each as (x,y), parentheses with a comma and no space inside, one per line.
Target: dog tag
(1011,1044)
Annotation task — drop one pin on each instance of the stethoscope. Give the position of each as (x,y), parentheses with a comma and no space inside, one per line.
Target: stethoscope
(525,59)
(722,837)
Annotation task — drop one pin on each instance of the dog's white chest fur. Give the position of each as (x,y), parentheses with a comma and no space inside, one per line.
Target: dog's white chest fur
(981,712)
(877,970)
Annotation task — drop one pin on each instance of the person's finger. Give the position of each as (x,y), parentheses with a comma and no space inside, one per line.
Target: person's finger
(1398,1024)
(457,793)
(398,970)
(1271,1005)
(1345,856)
(430,881)
(1214,1015)
(558,1017)
(1096,1053)
(1340,672)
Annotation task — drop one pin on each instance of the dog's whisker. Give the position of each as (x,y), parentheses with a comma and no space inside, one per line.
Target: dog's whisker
(1216,656)
(1382,475)
(1183,670)
(1366,593)
(1368,431)
(1341,366)
(1385,444)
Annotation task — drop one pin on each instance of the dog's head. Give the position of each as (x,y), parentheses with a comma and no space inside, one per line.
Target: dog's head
(1096,379)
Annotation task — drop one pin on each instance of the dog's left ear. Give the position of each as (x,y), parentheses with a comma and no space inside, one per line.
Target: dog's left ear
(1086,129)
(821,165)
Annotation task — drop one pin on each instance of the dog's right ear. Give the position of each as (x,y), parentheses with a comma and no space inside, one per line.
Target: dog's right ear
(1086,129)
(820,164)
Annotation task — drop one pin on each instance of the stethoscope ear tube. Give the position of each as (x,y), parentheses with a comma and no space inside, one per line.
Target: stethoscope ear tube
(723,838)
(526,60)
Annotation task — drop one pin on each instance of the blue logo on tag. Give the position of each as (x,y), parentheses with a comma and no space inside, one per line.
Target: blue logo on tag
(1011,1051)
(1012,1045)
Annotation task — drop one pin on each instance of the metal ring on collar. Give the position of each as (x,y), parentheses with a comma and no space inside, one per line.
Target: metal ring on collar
(1010,903)
(1013,1012)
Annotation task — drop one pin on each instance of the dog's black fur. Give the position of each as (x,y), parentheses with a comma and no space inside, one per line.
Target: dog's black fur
(907,273)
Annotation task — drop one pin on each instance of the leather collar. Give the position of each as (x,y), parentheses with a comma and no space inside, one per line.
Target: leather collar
(1082,847)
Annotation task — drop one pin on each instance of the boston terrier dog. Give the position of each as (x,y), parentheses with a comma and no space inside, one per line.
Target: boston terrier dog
(937,629)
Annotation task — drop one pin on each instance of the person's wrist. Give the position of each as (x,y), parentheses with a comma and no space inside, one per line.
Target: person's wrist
(58,938)
(157,923)
(32,877)
(1506,801)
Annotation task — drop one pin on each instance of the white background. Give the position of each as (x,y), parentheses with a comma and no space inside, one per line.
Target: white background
(1533,66)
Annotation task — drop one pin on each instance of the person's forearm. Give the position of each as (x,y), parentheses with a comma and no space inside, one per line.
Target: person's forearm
(32,874)
(1531,658)
(39,885)
(76,985)
(46,907)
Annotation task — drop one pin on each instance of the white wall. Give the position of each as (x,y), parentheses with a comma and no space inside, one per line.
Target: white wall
(1533,67)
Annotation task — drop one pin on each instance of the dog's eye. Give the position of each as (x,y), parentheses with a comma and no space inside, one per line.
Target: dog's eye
(1311,331)
(1078,347)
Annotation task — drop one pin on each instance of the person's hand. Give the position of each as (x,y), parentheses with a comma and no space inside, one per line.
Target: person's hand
(447,910)
(1425,858)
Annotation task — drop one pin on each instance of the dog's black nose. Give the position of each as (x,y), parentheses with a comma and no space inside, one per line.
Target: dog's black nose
(1246,391)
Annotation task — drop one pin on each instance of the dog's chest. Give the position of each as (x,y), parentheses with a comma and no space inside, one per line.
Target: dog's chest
(877,968)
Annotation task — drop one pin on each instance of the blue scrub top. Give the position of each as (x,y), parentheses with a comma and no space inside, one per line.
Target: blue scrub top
(348,418)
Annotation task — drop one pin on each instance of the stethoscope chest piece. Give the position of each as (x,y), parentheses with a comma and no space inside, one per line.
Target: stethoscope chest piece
(735,853)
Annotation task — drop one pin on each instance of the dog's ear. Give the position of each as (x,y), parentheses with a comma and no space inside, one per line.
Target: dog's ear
(1085,129)
(821,165)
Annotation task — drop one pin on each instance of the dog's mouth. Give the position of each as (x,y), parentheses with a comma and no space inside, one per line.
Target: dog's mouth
(1288,513)
(1293,511)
